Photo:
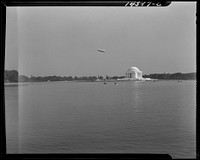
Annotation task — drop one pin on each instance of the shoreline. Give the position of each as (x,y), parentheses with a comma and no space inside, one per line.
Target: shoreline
(15,83)
(26,83)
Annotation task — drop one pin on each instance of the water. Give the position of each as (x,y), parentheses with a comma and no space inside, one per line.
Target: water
(92,117)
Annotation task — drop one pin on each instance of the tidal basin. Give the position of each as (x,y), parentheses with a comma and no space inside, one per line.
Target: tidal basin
(93,117)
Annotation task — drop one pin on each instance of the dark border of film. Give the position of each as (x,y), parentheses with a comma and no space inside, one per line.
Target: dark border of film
(3,152)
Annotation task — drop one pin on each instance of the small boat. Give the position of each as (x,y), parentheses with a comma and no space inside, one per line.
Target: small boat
(104,83)
(116,83)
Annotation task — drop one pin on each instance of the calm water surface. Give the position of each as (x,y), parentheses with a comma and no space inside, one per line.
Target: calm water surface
(92,117)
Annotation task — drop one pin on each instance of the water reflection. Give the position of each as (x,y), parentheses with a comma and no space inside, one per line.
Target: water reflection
(135,95)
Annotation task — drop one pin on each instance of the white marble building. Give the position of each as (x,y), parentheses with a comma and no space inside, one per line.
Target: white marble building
(134,73)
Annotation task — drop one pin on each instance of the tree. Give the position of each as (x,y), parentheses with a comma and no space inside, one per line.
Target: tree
(100,77)
(11,76)
(23,78)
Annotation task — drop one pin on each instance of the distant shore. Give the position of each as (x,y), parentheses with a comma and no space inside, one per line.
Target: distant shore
(15,83)
(13,77)
(27,83)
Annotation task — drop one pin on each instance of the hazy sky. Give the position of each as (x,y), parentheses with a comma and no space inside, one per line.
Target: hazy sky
(63,41)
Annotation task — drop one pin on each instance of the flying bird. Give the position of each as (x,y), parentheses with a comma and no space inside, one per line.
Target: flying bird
(101,50)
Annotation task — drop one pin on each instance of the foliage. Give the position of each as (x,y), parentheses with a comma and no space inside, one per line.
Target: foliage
(174,76)
(12,76)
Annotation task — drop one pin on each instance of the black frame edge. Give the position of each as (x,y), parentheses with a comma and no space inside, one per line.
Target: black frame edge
(2,61)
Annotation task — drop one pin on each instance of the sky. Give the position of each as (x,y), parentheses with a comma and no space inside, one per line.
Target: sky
(63,41)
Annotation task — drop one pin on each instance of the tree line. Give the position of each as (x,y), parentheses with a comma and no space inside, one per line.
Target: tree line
(13,76)
(174,76)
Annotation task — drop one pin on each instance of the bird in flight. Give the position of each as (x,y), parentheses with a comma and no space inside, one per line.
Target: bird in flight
(101,50)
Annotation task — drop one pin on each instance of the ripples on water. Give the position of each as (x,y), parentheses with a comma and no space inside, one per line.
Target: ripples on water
(90,117)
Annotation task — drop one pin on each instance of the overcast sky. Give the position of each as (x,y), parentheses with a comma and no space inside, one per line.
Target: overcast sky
(63,41)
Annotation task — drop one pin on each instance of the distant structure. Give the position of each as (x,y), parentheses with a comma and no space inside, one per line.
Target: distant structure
(134,73)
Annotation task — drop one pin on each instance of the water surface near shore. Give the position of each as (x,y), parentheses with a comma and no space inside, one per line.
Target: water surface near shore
(87,117)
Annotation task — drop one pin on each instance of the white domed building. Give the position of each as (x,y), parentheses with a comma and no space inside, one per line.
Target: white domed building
(134,73)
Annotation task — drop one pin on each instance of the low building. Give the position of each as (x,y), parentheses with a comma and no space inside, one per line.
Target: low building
(134,73)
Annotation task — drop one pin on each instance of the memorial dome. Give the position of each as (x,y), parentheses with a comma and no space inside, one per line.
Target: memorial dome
(134,69)
(134,72)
